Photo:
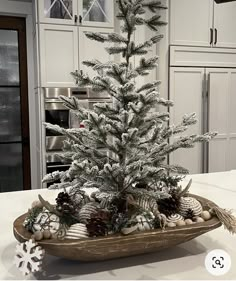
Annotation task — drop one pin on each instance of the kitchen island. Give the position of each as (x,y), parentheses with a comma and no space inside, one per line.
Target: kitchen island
(182,262)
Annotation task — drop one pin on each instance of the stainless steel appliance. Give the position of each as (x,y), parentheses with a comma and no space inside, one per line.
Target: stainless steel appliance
(57,113)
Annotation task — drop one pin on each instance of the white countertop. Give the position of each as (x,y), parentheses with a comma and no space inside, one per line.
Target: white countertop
(183,262)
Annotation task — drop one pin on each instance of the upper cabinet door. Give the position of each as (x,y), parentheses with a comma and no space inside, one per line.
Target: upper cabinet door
(191,22)
(99,13)
(91,49)
(225,23)
(58,55)
(57,11)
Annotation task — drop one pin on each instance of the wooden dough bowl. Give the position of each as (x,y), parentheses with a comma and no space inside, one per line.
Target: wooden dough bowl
(116,246)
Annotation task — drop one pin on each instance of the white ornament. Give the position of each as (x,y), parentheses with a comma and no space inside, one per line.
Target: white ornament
(77,231)
(46,221)
(144,222)
(174,218)
(29,256)
(189,203)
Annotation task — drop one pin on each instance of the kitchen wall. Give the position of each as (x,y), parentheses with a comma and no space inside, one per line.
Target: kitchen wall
(24,9)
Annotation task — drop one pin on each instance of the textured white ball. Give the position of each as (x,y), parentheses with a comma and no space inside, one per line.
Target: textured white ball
(199,219)
(47,234)
(171,224)
(38,235)
(206,215)
(180,223)
(188,221)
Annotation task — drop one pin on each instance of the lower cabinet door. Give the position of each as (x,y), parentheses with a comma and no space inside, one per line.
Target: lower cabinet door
(186,88)
(222,116)
(58,55)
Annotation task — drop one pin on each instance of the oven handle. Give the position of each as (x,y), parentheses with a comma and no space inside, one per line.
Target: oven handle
(57,166)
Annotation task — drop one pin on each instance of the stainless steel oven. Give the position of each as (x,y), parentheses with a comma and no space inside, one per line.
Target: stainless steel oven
(57,113)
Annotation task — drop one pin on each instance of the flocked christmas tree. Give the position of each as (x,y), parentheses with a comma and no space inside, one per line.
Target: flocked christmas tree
(136,139)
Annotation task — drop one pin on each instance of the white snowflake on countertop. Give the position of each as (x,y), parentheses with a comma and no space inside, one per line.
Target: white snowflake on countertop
(29,256)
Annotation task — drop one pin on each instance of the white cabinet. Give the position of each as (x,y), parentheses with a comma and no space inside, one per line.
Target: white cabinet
(190,22)
(91,49)
(202,23)
(222,116)
(58,55)
(63,49)
(224,24)
(211,94)
(77,12)
(186,93)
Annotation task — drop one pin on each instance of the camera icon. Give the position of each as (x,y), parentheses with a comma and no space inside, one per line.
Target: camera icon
(218,262)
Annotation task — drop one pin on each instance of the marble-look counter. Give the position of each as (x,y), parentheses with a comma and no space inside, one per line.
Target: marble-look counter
(183,262)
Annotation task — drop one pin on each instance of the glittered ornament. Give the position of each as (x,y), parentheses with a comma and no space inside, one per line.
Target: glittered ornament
(189,203)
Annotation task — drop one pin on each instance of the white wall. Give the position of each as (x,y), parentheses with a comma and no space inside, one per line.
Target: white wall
(24,9)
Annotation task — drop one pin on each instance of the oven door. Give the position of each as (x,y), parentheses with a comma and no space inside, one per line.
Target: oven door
(56,114)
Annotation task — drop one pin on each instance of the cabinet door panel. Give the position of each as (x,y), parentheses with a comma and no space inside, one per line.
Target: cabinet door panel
(59,55)
(217,155)
(225,22)
(186,92)
(190,22)
(91,49)
(57,11)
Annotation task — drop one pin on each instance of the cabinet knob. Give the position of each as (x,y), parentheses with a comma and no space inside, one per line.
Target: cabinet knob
(80,19)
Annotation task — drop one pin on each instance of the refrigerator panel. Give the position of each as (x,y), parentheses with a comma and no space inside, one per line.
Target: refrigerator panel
(11,172)
(9,60)
(10,115)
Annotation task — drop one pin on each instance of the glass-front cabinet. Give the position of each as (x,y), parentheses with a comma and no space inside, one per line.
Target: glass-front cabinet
(57,11)
(96,12)
(77,12)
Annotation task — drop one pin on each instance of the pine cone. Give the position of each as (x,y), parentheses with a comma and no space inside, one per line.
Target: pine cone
(189,214)
(169,206)
(97,227)
(62,197)
(102,214)
(64,203)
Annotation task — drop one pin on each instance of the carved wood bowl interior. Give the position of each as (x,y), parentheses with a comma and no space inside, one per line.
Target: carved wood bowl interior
(118,245)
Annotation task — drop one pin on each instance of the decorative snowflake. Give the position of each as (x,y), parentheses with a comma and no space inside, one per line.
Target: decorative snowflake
(29,256)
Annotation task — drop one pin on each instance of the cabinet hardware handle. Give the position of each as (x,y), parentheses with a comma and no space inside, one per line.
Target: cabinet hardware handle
(76,18)
(80,19)
(211,36)
(216,36)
